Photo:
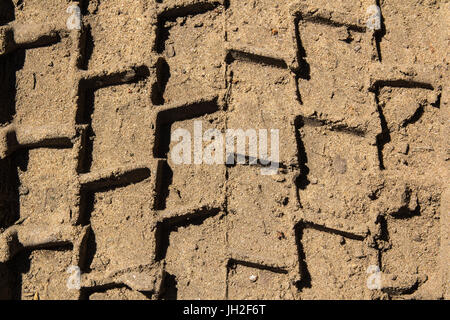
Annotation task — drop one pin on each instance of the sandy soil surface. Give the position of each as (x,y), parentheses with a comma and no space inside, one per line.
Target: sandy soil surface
(359,208)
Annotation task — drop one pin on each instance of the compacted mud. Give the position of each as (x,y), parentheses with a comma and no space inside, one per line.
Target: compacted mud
(358,209)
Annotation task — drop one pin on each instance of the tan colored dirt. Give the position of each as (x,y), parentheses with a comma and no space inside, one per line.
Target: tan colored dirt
(86,179)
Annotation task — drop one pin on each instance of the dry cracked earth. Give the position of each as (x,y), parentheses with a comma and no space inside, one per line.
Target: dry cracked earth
(86,180)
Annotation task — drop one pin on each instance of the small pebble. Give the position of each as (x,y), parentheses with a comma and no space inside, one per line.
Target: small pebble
(74,20)
(253,278)
(23,191)
(374,17)
(170,51)
(404,148)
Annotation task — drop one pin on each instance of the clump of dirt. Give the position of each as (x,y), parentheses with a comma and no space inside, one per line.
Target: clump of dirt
(92,206)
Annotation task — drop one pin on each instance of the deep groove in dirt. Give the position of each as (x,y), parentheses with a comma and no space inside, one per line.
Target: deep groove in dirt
(344,234)
(9,65)
(166,118)
(118,180)
(232,263)
(400,83)
(379,34)
(383,138)
(162,78)
(301,181)
(87,200)
(114,181)
(9,193)
(171,14)
(255,58)
(87,292)
(415,117)
(87,48)
(166,227)
(84,162)
(305,281)
(331,23)
(163,181)
(7,12)
(313,122)
(169,285)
